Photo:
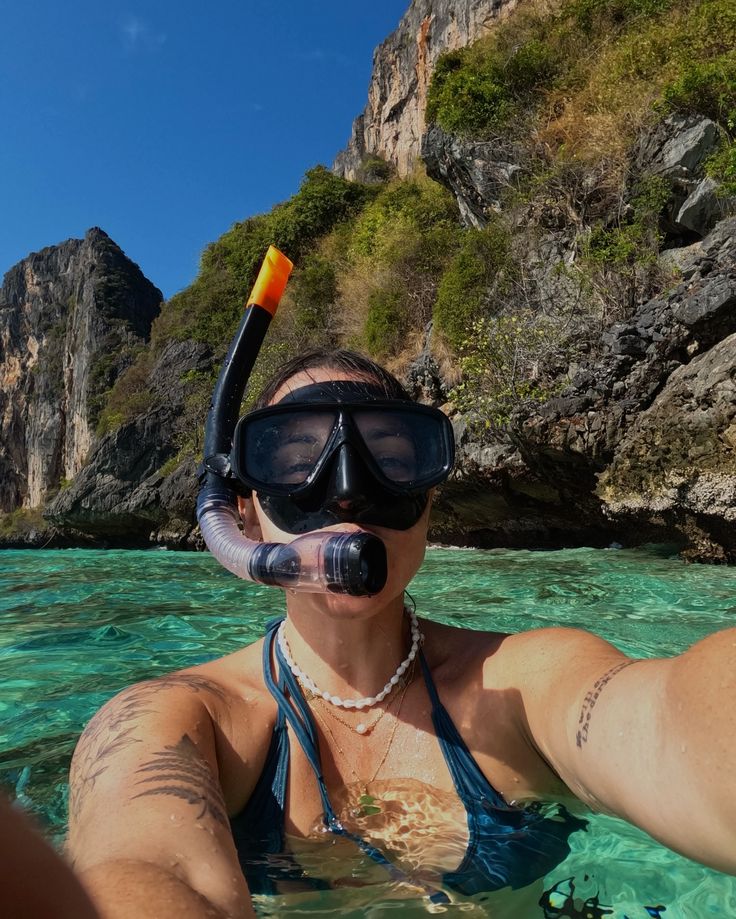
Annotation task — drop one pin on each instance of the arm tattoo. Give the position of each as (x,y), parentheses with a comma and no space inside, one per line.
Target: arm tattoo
(591,697)
(183,772)
(113,729)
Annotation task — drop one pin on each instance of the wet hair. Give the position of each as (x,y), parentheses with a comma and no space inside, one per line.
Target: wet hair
(339,359)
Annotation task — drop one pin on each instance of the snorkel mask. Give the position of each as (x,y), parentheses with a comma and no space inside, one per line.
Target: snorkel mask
(326,454)
(340,451)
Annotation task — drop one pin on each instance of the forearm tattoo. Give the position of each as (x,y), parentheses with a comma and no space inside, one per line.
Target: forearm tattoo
(115,728)
(591,697)
(183,772)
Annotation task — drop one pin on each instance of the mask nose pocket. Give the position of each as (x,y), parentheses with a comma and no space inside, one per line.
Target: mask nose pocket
(350,481)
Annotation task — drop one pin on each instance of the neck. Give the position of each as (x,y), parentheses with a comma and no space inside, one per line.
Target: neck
(346,654)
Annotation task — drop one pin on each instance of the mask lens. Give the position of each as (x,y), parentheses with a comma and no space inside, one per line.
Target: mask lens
(284,449)
(406,446)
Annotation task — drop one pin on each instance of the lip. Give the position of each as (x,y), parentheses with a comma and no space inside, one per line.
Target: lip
(346,528)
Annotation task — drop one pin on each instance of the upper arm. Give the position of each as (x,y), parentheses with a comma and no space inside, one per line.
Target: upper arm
(144,787)
(630,736)
(579,703)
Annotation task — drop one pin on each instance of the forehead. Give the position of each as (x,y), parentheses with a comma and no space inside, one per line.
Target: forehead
(316,375)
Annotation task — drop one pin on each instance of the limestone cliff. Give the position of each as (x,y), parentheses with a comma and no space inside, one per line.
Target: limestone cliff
(392,123)
(71,317)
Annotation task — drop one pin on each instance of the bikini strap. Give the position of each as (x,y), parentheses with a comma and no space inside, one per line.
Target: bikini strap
(466,774)
(293,708)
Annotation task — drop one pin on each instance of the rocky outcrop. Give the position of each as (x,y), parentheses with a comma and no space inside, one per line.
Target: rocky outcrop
(71,316)
(676,149)
(640,446)
(642,440)
(477,172)
(132,491)
(677,462)
(392,124)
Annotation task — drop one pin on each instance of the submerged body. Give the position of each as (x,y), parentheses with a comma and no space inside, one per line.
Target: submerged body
(539,715)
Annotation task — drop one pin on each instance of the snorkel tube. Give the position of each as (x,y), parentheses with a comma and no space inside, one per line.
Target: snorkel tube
(353,562)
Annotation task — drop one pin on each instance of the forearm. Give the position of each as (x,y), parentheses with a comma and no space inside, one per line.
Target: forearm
(128,889)
(700,712)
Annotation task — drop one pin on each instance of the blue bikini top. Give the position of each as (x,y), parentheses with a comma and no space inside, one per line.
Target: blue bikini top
(508,846)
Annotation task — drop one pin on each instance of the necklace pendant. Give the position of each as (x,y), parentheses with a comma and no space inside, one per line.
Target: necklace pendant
(361,728)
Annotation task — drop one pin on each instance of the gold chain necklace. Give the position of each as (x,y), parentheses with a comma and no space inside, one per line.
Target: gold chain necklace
(362,728)
(368,804)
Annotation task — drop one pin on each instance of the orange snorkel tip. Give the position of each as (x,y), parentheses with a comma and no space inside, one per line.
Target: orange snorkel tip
(271,281)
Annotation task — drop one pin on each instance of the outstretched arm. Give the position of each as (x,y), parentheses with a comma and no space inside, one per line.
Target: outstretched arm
(652,741)
(149,832)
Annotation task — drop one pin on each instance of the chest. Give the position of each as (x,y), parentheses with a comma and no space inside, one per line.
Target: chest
(397,773)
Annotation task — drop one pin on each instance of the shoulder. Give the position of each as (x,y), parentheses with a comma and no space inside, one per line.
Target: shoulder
(196,699)
(556,640)
(480,644)
(528,660)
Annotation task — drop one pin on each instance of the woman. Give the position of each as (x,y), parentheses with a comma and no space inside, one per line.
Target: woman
(423,781)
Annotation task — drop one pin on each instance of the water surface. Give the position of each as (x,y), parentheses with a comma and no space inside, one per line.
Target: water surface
(76,626)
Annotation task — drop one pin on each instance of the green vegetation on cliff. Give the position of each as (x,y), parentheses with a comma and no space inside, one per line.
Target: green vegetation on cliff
(582,74)
(381,262)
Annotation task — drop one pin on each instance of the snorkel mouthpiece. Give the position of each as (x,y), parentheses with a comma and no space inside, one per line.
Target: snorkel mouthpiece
(352,562)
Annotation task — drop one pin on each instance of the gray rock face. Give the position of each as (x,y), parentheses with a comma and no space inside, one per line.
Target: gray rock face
(70,318)
(678,146)
(393,121)
(678,459)
(123,495)
(476,172)
(676,149)
(641,439)
(702,208)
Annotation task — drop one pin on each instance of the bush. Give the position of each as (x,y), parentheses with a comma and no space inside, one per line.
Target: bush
(129,396)
(705,88)
(500,364)
(387,321)
(480,270)
(722,166)
(21,522)
(314,291)
(399,207)
(598,16)
(374,169)
(532,66)
(466,99)
(638,239)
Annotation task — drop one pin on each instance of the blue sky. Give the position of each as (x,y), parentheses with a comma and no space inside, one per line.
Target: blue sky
(165,122)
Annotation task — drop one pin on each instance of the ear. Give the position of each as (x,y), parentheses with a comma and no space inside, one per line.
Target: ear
(251,526)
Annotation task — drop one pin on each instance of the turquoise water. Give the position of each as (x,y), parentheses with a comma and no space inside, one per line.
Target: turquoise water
(76,626)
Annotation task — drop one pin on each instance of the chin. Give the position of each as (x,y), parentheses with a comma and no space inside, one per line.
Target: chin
(344,606)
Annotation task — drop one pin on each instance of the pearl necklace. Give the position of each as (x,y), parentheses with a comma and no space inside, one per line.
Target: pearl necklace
(368,701)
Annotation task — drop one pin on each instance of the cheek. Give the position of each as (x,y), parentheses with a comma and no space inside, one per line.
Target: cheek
(404,561)
(405,550)
(271,533)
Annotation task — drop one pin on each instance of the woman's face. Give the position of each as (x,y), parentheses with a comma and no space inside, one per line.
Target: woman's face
(405,548)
